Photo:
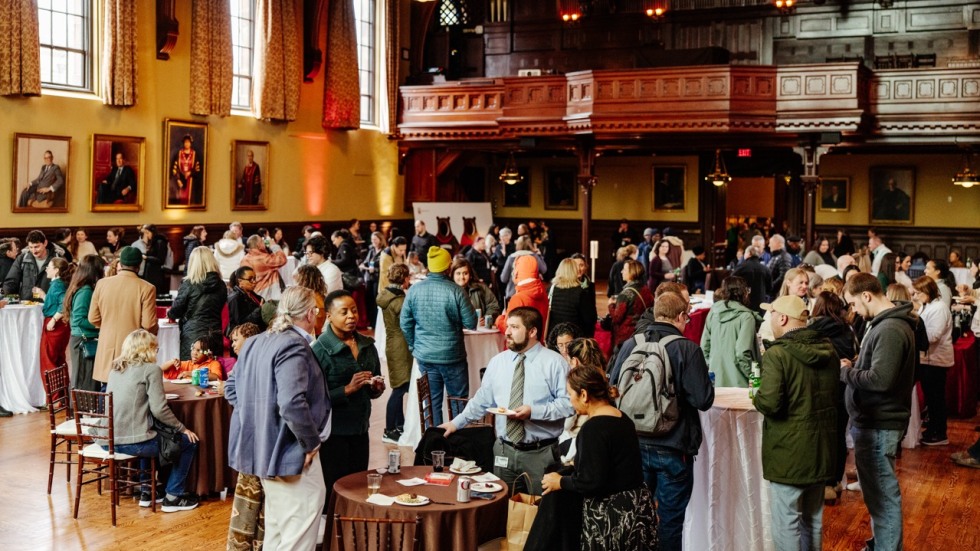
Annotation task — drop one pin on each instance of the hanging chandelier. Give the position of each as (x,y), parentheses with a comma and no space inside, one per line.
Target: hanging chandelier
(967,177)
(511,175)
(785,6)
(719,176)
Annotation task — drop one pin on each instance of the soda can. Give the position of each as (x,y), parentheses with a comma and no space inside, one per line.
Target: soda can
(463,491)
(195,377)
(394,461)
(479,314)
(489,321)
(202,379)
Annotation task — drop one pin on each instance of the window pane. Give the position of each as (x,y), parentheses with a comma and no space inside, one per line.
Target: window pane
(59,67)
(59,29)
(76,32)
(59,5)
(46,64)
(76,69)
(44,4)
(242,32)
(44,26)
(76,7)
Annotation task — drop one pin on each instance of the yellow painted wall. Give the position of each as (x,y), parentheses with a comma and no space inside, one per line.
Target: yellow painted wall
(937,203)
(624,190)
(313,174)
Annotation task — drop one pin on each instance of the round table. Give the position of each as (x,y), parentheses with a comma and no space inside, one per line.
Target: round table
(460,526)
(209,416)
(21,387)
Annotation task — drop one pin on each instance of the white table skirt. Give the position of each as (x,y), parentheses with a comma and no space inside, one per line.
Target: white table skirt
(21,387)
(481,347)
(168,341)
(729,507)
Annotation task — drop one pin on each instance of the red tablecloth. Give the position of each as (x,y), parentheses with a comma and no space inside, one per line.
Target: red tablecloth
(961,379)
(162,311)
(696,326)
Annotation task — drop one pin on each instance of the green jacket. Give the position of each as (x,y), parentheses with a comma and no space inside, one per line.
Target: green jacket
(80,325)
(350,413)
(729,342)
(399,358)
(798,397)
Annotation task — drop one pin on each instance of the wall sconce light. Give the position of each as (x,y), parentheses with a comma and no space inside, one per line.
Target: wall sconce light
(655,9)
(570,11)
(785,6)
(511,175)
(719,176)
(967,177)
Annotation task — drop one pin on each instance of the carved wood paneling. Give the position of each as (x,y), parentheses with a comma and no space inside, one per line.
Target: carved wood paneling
(933,100)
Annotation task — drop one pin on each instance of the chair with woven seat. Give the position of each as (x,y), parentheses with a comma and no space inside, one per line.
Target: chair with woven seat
(426,416)
(456,406)
(61,422)
(93,418)
(378,533)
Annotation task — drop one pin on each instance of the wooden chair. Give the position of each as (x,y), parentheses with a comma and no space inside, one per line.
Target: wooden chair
(94,417)
(369,533)
(60,421)
(426,416)
(456,406)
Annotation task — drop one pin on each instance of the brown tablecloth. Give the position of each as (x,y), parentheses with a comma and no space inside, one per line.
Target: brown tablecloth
(209,416)
(460,527)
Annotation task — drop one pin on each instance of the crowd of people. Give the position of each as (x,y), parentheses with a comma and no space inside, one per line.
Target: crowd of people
(833,340)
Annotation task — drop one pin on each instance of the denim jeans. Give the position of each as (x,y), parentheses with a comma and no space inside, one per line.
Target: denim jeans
(456,379)
(797,516)
(151,448)
(670,476)
(874,456)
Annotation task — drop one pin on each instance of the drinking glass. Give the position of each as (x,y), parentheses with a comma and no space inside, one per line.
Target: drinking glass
(438,460)
(374,484)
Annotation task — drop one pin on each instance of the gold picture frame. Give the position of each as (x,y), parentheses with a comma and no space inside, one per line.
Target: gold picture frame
(185,165)
(250,182)
(835,194)
(118,173)
(48,191)
(669,188)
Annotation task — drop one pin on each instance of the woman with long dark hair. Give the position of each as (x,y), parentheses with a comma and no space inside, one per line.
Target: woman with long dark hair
(821,253)
(886,271)
(193,240)
(844,245)
(56,333)
(84,335)
(829,319)
(309,276)
(626,308)
(608,473)
(244,304)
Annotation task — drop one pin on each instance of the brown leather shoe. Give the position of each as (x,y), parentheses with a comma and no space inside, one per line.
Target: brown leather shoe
(964,459)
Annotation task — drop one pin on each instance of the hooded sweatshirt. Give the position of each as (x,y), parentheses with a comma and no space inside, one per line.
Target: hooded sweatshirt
(879,386)
(228,253)
(798,397)
(530,291)
(729,342)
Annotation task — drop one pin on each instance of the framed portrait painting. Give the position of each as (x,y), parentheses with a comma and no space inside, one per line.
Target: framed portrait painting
(250,173)
(560,191)
(116,181)
(835,194)
(40,173)
(185,164)
(519,194)
(669,188)
(892,194)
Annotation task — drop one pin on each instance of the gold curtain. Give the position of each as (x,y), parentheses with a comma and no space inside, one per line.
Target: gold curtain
(211,58)
(278,62)
(341,84)
(392,60)
(119,67)
(20,49)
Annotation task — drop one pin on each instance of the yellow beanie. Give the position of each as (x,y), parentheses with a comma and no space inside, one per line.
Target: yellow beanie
(439,260)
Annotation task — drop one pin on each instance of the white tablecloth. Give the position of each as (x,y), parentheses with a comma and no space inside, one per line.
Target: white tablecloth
(21,387)
(168,340)
(729,507)
(481,347)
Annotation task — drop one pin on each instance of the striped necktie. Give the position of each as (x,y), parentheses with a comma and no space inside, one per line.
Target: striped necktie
(515,427)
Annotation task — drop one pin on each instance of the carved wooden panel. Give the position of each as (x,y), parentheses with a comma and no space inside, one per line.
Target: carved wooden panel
(935,18)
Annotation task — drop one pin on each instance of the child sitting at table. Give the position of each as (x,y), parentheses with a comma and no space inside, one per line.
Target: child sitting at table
(200,357)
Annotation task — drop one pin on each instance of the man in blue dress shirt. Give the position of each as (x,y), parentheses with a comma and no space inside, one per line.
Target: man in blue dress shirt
(528,381)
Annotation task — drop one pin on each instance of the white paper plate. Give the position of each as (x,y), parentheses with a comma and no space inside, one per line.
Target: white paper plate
(474,470)
(172,396)
(488,487)
(179,381)
(422,501)
(501,411)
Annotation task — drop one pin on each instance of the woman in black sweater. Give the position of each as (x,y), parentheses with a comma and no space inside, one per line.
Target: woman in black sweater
(618,512)
(570,302)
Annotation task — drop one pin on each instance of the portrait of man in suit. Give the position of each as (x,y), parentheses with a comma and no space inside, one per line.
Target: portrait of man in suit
(119,185)
(40,173)
(834,194)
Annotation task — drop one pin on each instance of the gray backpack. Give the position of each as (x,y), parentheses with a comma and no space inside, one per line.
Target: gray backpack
(646,387)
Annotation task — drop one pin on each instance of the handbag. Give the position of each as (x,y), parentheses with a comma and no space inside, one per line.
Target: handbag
(169,438)
(88,346)
(351,281)
(521,510)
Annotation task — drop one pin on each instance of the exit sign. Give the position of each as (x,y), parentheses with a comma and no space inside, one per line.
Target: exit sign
(745,152)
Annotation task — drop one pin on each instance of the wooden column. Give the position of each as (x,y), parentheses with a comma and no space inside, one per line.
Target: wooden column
(586,180)
(810,153)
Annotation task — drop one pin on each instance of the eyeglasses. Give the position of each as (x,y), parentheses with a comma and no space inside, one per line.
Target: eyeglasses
(243,280)
(310,253)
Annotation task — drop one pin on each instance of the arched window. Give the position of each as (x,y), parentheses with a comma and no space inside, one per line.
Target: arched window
(453,13)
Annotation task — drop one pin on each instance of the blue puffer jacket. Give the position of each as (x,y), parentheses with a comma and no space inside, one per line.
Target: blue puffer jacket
(433,317)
